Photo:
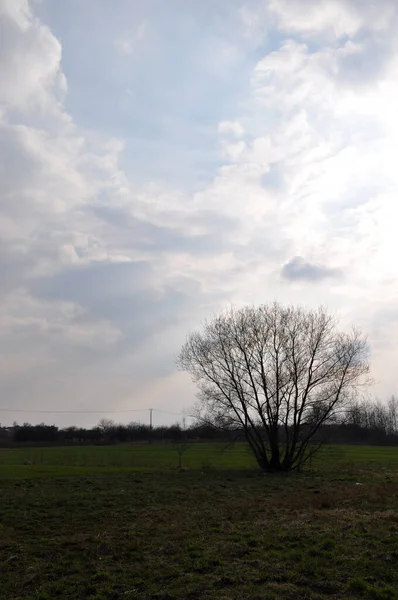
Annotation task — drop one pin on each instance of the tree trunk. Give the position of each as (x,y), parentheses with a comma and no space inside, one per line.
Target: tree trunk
(275,462)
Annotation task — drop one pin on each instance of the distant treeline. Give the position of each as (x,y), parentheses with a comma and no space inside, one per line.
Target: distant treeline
(365,423)
(106,432)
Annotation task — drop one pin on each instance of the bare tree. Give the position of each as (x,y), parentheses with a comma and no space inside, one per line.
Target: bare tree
(107,428)
(392,411)
(277,374)
(181,445)
(378,418)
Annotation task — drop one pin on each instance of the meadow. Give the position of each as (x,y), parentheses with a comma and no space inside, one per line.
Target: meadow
(108,523)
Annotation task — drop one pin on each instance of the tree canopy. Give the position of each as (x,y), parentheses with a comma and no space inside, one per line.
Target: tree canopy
(276,373)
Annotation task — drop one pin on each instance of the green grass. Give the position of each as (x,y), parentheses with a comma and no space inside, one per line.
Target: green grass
(123,522)
(164,456)
(137,457)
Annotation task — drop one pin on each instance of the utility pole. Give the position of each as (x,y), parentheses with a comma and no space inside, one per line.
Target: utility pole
(150,425)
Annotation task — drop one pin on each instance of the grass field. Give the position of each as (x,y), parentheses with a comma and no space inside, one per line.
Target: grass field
(164,456)
(109,523)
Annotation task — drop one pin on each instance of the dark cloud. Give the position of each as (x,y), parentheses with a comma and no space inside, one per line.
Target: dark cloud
(14,266)
(141,233)
(118,292)
(127,295)
(298,269)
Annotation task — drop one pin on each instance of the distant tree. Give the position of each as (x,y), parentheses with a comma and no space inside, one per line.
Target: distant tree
(5,434)
(181,445)
(71,434)
(277,374)
(392,415)
(106,425)
(107,428)
(35,433)
(373,422)
(138,432)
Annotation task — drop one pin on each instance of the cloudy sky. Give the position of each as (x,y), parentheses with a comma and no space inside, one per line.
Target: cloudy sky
(160,160)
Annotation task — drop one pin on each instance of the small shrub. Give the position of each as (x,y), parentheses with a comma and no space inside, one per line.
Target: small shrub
(328,545)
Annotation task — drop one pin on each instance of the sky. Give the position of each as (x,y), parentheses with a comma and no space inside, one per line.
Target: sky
(162,160)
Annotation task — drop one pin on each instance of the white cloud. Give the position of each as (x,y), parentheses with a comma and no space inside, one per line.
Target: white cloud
(30,74)
(62,320)
(18,11)
(336,18)
(323,118)
(231,127)
(101,277)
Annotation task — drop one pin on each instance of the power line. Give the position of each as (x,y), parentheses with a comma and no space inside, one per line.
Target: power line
(71,412)
(85,412)
(167,412)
